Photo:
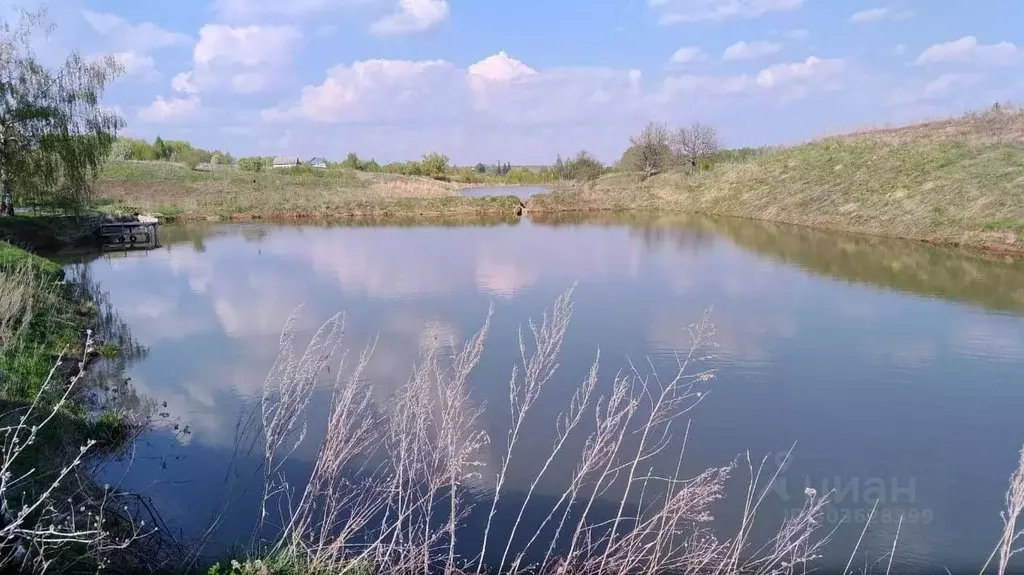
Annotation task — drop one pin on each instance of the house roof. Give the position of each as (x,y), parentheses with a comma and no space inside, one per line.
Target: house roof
(283,160)
(317,160)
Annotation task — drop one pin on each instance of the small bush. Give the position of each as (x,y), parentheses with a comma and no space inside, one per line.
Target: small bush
(250,164)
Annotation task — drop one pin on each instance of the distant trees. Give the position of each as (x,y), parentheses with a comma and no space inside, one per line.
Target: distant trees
(179,151)
(54,135)
(695,143)
(160,149)
(650,151)
(252,164)
(584,167)
(352,162)
(435,165)
(480,168)
(219,158)
(559,168)
(657,149)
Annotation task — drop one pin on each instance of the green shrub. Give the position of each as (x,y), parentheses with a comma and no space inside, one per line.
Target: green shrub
(254,164)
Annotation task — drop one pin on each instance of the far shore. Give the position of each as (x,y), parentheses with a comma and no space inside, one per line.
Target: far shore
(952,183)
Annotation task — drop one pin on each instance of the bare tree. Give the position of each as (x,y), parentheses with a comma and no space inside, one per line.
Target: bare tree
(650,151)
(695,142)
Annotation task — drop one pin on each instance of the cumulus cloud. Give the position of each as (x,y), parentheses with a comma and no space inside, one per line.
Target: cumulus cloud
(245,45)
(681,11)
(796,79)
(687,55)
(498,88)
(948,82)
(135,64)
(166,110)
(968,50)
(375,90)
(750,50)
(411,17)
(822,70)
(879,14)
(242,59)
(184,83)
(141,37)
(918,91)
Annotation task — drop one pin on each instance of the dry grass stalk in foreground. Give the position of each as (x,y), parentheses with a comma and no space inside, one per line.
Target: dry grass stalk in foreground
(46,527)
(391,485)
(1007,546)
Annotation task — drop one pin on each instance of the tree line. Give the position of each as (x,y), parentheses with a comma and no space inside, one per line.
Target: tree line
(179,151)
(55,136)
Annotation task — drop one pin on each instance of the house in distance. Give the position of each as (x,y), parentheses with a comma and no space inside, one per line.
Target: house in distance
(318,162)
(285,161)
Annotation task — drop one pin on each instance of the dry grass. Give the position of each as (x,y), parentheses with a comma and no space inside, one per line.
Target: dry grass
(958,181)
(18,289)
(394,480)
(1000,125)
(176,191)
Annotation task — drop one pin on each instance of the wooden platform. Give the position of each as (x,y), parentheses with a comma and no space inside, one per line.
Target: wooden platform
(129,235)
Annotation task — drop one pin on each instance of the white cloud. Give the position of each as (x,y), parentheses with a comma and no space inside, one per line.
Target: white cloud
(813,68)
(948,82)
(679,11)
(249,82)
(499,68)
(875,15)
(780,83)
(141,37)
(242,59)
(967,50)
(136,63)
(411,17)
(496,89)
(245,45)
(184,83)
(162,110)
(373,90)
(708,85)
(750,50)
(920,93)
(687,55)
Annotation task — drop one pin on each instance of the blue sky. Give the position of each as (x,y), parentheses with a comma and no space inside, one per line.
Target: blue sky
(524,80)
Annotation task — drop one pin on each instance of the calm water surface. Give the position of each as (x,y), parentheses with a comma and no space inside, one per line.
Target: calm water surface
(895,369)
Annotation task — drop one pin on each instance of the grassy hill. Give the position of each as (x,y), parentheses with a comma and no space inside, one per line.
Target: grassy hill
(958,182)
(179,192)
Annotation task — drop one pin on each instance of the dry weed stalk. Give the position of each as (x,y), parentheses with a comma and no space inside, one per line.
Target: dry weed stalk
(47,523)
(388,488)
(1007,546)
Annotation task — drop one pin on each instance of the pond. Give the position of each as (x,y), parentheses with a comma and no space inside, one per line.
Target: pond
(892,369)
(521,192)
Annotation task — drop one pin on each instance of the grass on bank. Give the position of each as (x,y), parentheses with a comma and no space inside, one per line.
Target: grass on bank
(50,423)
(991,280)
(175,191)
(957,182)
